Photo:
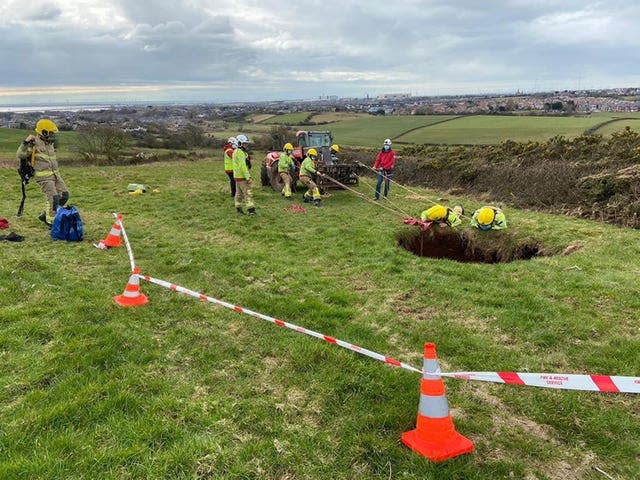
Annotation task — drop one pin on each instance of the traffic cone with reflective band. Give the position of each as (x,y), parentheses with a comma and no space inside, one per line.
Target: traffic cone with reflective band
(435,436)
(132,296)
(113,239)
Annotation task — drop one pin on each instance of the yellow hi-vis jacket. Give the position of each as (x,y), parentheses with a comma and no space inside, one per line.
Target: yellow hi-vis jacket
(307,169)
(240,168)
(285,162)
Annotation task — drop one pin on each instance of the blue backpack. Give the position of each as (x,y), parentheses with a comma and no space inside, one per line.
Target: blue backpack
(67,225)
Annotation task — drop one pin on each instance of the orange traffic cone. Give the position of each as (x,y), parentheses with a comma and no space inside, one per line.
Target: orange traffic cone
(435,436)
(132,296)
(113,239)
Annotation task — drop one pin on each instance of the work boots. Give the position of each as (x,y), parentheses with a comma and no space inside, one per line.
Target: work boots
(43,218)
(239,210)
(251,211)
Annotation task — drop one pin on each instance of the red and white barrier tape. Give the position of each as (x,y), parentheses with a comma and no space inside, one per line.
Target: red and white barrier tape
(562,381)
(282,323)
(591,383)
(126,242)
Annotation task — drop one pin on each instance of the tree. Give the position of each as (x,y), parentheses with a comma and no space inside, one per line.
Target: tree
(102,145)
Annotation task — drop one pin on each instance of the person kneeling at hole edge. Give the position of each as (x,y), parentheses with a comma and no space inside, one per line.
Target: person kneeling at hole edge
(446,217)
(489,218)
(242,176)
(307,171)
(37,157)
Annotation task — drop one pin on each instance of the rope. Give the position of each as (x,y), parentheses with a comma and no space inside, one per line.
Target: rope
(408,189)
(364,197)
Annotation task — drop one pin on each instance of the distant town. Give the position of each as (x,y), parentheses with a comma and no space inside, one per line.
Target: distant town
(136,117)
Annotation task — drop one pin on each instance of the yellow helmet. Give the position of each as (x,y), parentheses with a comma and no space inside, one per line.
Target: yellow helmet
(46,127)
(312,152)
(335,147)
(287,146)
(436,213)
(486,215)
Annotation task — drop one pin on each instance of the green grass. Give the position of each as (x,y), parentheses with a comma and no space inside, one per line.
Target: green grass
(183,389)
(337,116)
(371,131)
(10,139)
(287,118)
(484,129)
(619,124)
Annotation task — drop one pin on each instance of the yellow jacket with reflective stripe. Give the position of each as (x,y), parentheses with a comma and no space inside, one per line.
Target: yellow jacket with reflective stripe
(240,168)
(46,162)
(307,169)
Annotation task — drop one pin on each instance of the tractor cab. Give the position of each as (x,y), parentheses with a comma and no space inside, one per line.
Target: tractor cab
(321,141)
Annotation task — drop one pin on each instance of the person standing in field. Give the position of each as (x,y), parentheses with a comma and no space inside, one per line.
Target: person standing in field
(385,161)
(307,172)
(285,164)
(228,150)
(242,176)
(37,156)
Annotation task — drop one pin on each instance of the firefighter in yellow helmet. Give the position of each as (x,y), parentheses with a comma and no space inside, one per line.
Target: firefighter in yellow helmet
(335,150)
(489,218)
(37,152)
(446,217)
(307,171)
(285,164)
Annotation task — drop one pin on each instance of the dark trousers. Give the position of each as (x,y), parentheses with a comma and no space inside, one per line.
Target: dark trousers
(232,183)
(386,176)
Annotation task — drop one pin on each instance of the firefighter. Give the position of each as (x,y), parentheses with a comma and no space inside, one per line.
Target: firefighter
(307,171)
(39,152)
(489,218)
(385,161)
(446,217)
(242,176)
(335,150)
(228,150)
(285,164)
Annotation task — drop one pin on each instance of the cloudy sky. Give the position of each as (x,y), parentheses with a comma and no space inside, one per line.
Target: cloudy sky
(240,50)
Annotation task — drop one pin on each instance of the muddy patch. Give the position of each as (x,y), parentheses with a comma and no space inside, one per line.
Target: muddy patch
(469,245)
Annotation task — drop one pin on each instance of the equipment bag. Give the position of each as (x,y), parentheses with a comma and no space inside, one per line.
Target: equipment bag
(67,225)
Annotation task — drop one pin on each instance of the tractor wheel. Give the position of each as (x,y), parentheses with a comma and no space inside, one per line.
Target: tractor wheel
(264,176)
(276,182)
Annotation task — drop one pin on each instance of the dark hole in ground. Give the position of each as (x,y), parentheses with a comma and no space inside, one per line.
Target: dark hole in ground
(469,245)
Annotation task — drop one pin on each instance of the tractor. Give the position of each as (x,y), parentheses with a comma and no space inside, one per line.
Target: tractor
(329,164)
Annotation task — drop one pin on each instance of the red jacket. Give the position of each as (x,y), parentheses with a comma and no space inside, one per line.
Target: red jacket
(385,160)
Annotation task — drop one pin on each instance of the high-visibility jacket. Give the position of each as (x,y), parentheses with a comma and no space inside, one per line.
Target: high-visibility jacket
(240,167)
(285,162)
(452,219)
(499,219)
(307,169)
(228,157)
(385,160)
(46,162)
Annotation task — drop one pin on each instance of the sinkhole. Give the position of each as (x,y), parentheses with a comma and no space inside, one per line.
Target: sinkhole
(469,245)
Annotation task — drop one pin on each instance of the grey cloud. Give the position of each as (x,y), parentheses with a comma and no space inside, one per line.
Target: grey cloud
(278,46)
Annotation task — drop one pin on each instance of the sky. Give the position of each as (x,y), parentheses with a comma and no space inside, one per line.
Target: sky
(248,50)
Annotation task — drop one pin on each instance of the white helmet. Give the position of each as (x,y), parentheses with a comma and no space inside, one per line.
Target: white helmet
(387,141)
(232,141)
(242,139)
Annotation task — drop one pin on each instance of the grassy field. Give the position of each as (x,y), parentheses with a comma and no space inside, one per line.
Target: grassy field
(483,129)
(287,118)
(182,389)
(371,131)
(619,124)
(337,116)
(260,117)
(10,139)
